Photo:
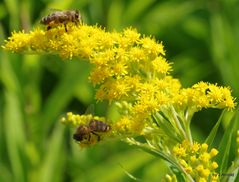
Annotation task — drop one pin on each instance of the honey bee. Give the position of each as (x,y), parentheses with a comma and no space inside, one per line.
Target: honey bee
(84,132)
(61,17)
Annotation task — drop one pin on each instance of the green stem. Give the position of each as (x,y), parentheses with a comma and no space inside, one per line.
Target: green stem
(187,128)
(177,122)
(154,151)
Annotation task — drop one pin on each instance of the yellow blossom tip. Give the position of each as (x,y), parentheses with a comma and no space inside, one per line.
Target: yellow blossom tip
(204,146)
(213,152)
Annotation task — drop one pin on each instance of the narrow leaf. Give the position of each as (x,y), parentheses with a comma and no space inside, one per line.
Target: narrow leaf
(213,132)
(225,145)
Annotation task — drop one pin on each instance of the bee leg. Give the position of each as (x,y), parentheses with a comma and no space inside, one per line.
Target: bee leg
(98,136)
(65,27)
(48,27)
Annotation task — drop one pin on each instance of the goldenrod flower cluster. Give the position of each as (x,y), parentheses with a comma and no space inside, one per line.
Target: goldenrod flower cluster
(128,67)
(196,160)
(131,72)
(76,119)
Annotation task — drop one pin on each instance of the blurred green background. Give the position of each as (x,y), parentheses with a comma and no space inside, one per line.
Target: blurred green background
(201,39)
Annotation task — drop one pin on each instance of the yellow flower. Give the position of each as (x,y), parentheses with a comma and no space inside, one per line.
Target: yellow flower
(151,47)
(195,159)
(213,152)
(130,126)
(204,147)
(170,178)
(117,56)
(195,147)
(136,54)
(237,140)
(179,151)
(18,42)
(204,157)
(160,65)
(214,165)
(130,38)
(131,70)
(76,119)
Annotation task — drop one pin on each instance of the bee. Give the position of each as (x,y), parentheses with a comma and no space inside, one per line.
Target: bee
(61,17)
(84,132)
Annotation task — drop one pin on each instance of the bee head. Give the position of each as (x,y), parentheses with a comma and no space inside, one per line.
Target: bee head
(42,21)
(80,137)
(77,15)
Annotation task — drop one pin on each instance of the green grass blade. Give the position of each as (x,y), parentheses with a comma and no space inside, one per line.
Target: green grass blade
(75,75)
(13,120)
(135,9)
(52,166)
(130,160)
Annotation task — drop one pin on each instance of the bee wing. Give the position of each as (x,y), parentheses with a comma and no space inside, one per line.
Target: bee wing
(90,110)
(54,9)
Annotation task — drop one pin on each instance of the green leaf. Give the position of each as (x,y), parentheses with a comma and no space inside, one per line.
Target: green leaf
(213,132)
(225,145)
(166,126)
